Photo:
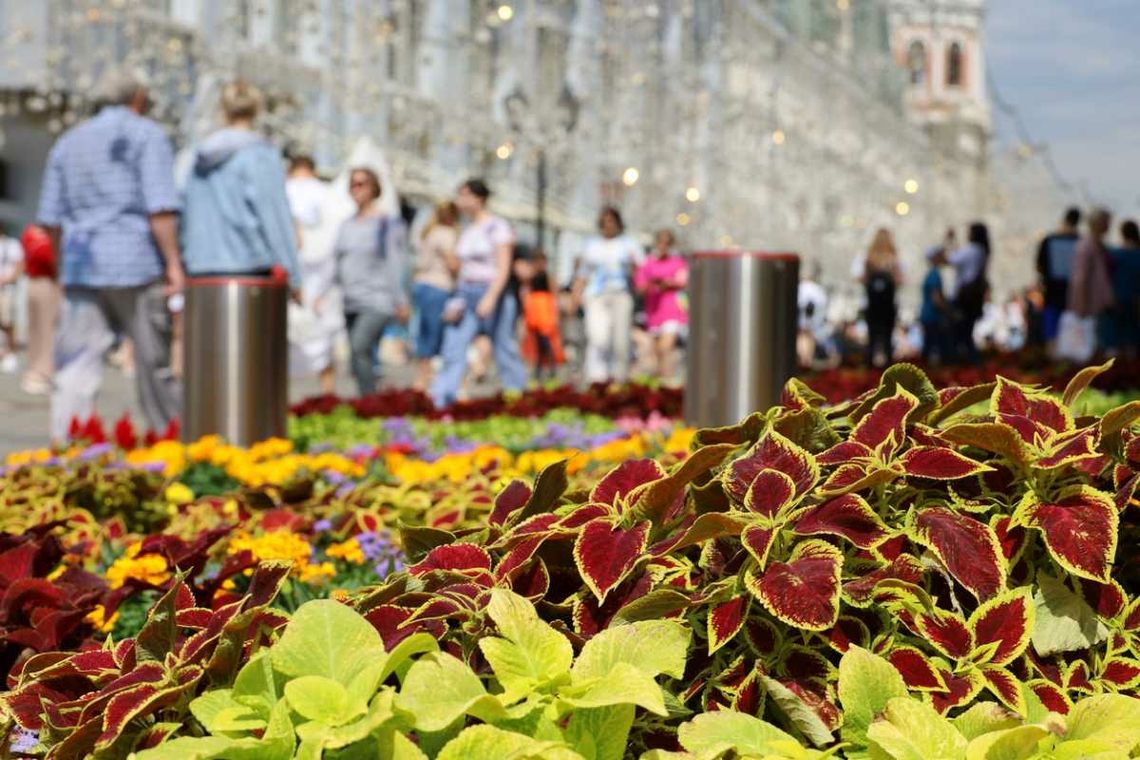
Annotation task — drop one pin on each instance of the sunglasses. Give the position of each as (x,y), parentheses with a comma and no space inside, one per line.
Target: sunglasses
(360,183)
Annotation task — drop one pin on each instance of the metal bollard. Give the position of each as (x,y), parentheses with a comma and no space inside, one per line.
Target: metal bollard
(742,333)
(235,366)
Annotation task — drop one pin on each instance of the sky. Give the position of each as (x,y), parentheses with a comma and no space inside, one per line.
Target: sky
(1072,68)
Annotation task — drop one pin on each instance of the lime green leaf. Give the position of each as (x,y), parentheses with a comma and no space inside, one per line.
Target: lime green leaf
(214,708)
(1110,718)
(326,638)
(1064,622)
(489,742)
(532,655)
(322,700)
(652,646)
(363,685)
(1018,743)
(713,734)
(984,717)
(624,684)
(1086,749)
(417,643)
(255,683)
(277,743)
(439,689)
(912,730)
(600,733)
(799,714)
(866,683)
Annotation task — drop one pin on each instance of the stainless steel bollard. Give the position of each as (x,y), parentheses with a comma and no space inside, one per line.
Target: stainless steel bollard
(235,360)
(742,333)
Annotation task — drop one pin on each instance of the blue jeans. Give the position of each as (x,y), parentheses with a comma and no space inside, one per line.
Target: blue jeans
(500,326)
(428,331)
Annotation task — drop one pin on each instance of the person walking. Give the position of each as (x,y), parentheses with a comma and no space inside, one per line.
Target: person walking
(1126,285)
(482,305)
(603,287)
(11,269)
(371,259)
(662,278)
(237,218)
(968,295)
(1090,290)
(881,278)
(1055,266)
(543,340)
(311,334)
(433,284)
(110,205)
(934,314)
(43,298)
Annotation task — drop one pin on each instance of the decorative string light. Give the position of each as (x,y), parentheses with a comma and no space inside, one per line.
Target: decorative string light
(902,208)
(505,12)
(504,151)
(692,194)
(630,176)
(911,186)
(778,136)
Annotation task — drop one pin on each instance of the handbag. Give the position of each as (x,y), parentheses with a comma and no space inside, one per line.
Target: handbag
(1076,338)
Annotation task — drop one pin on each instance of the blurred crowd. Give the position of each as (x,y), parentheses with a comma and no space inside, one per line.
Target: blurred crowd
(1085,300)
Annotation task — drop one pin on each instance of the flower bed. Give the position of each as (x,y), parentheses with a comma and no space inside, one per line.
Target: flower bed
(906,574)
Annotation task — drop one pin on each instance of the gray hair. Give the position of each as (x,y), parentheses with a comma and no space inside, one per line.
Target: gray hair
(119,86)
(1100,215)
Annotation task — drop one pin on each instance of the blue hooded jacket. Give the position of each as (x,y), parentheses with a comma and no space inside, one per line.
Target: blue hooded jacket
(236,215)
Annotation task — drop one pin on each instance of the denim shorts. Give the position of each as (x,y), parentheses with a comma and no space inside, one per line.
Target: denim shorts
(428,333)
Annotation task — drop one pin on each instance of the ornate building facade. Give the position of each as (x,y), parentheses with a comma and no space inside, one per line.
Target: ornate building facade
(791,124)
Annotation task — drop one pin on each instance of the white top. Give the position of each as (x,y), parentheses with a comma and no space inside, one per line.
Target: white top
(306,196)
(476,248)
(607,262)
(11,256)
(812,304)
(968,261)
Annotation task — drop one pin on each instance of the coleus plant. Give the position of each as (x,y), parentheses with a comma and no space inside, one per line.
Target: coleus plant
(896,522)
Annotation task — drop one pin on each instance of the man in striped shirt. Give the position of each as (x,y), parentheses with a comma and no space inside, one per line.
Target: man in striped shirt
(109,201)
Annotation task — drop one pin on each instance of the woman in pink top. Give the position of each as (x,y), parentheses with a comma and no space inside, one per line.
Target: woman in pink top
(662,279)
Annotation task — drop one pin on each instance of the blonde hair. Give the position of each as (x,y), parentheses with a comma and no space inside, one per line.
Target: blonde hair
(444,215)
(882,253)
(241,100)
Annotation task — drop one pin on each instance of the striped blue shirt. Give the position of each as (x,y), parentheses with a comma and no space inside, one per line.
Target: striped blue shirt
(104,178)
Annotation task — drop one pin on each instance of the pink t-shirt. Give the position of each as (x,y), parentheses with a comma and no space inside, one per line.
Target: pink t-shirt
(664,303)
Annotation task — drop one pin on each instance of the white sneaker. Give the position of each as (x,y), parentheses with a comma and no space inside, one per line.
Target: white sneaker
(35,386)
(9,365)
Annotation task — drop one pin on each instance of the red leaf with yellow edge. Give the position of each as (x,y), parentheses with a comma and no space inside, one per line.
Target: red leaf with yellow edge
(960,690)
(1006,620)
(770,493)
(916,669)
(1080,530)
(461,557)
(763,636)
(848,516)
(1107,599)
(1071,448)
(803,592)
(1076,677)
(1121,673)
(849,478)
(1050,695)
(710,526)
(1010,399)
(967,548)
(849,631)
(606,553)
(946,632)
(937,463)
(805,664)
(1010,538)
(886,421)
(627,476)
(1006,687)
(758,540)
(843,452)
(904,568)
(510,500)
(725,620)
(1131,615)
(772,452)
(994,437)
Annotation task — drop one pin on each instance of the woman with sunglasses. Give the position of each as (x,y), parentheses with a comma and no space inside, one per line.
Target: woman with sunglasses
(482,305)
(371,257)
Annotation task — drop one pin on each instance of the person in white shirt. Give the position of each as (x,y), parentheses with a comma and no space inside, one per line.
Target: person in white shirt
(602,286)
(11,268)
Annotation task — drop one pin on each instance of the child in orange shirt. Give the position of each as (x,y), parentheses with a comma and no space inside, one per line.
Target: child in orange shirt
(542,345)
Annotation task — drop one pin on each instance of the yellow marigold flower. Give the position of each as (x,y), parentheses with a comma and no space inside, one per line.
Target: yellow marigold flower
(679,440)
(276,544)
(149,568)
(178,493)
(230,508)
(316,573)
(98,618)
(339,594)
(172,454)
(348,550)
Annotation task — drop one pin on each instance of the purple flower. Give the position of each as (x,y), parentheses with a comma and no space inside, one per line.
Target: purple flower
(345,489)
(94,452)
(334,477)
(24,741)
(323,525)
(153,466)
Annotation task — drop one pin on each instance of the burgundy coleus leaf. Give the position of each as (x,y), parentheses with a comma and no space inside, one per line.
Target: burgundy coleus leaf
(770,493)
(772,452)
(995,437)
(848,516)
(849,478)
(1006,687)
(763,636)
(946,632)
(805,664)
(1050,695)
(1010,538)
(884,428)
(1076,677)
(1079,528)
(903,568)
(1107,599)
(510,500)
(937,463)
(758,541)
(803,592)
(1006,620)
(916,669)
(606,553)
(1071,449)
(619,482)
(960,689)
(1012,400)
(848,631)
(460,557)
(843,452)
(725,620)
(1120,673)
(967,548)
(518,555)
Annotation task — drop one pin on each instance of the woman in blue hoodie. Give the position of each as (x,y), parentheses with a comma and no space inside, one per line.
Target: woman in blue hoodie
(236,215)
